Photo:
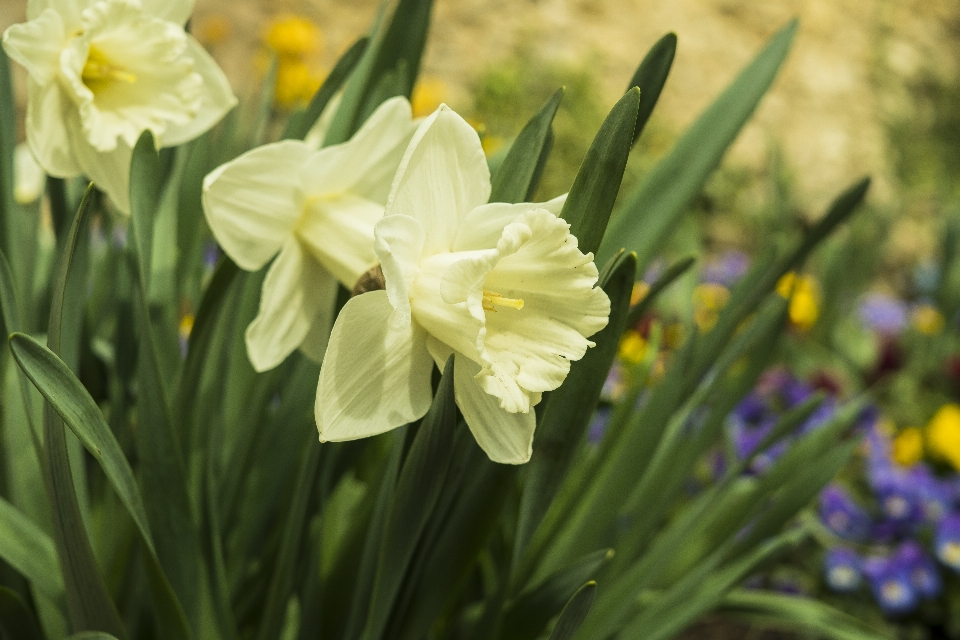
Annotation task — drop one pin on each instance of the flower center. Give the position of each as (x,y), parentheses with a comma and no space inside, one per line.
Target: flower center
(98,70)
(493,300)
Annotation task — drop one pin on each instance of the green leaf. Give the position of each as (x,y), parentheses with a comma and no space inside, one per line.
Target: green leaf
(91,635)
(595,188)
(650,77)
(568,410)
(162,469)
(67,395)
(291,547)
(671,275)
(301,123)
(797,613)
(89,604)
(515,179)
(652,210)
(575,612)
(16,621)
(528,615)
(418,489)
(29,550)
(399,36)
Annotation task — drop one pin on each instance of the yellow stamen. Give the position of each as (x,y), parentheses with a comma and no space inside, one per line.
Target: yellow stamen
(492,300)
(99,69)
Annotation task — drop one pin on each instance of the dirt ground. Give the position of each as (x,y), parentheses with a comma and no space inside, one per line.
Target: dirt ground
(845,79)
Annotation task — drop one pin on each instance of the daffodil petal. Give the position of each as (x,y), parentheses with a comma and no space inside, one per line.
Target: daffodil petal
(338,230)
(482,227)
(376,372)
(110,170)
(442,177)
(399,243)
(216,97)
(253,202)
(314,344)
(69,10)
(505,437)
(37,44)
(47,134)
(365,164)
(294,289)
(177,11)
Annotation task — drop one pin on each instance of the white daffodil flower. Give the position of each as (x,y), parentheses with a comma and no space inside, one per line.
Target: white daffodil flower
(104,71)
(315,211)
(503,287)
(28,176)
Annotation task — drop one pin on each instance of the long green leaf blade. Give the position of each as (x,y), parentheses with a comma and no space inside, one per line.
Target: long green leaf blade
(16,621)
(418,488)
(595,188)
(515,179)
(650,77)
(652,210)
(569,409)
(89,604)
(29,550)
(575,612)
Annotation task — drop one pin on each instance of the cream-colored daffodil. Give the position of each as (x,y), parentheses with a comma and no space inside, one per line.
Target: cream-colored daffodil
(315,211)
(104,71)
(503,287)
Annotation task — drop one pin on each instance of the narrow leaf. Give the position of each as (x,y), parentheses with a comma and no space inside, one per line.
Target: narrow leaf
(650,77)
(26,548)
(301,123)
(575,612)
(652,210)
(418,488)
(568,410)
(16,621)
(595,188)
(515,181)
(89,604)
(671,275)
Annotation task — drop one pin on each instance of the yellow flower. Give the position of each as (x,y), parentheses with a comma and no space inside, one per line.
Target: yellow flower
(293,36)
(186,326)
(296,82)
(927,320)
(804,295)
(640,291)
(633,348)
(427,96)
(943,434)
(708,299)
(213,29)
(908,447)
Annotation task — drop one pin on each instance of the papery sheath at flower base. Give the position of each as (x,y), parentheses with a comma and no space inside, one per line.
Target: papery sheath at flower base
(503,287)
(101,72)
(315,211)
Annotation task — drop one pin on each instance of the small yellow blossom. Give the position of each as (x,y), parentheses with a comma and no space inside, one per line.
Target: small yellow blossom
(293,36)
(908,447)
(212,30)
(927,320)
(633,347)
(296,83)
(943,434)
(186,326)
(427,96)
(640,291)
(708,299)
(804,294)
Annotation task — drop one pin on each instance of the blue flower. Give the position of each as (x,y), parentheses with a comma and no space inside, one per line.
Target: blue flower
(891,585)
(842,570)
(726,269)
(598,424)
(922,570)
(947,541)
(882,313)
(842,515)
